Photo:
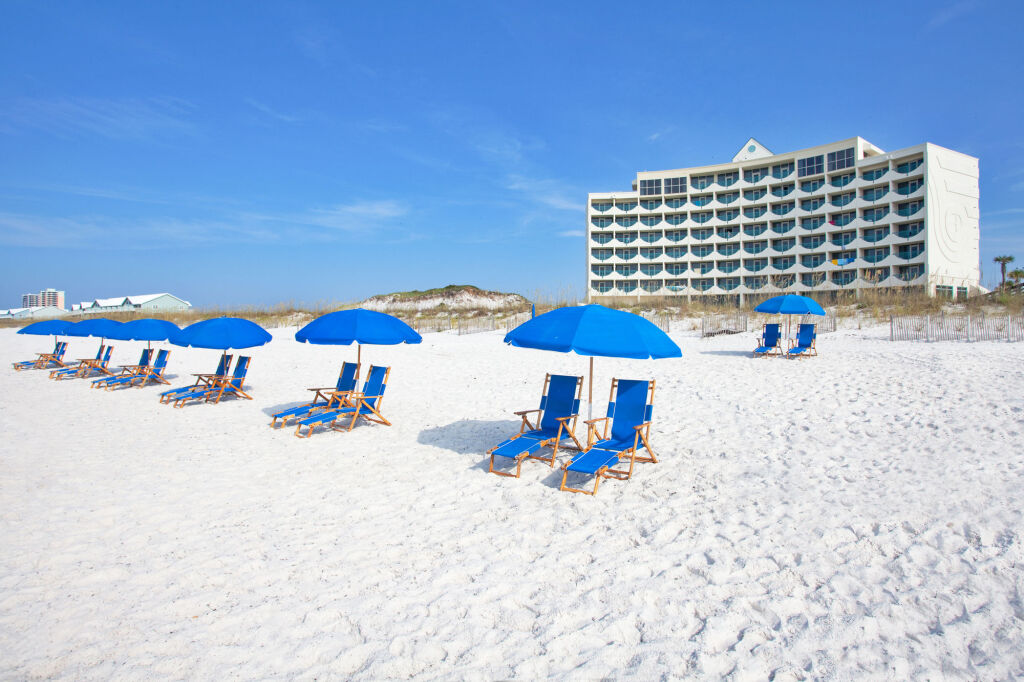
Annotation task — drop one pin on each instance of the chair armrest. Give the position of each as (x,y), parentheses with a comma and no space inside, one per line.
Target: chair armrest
(565,419)
(520,413)
(645,425)
(594,421)
(326,388)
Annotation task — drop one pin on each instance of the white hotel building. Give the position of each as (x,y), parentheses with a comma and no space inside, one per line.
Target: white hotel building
(838,217)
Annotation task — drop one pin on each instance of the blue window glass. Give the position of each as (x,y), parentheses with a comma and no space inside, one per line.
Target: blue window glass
(754,229)
(674,203)
(625,205)
(840,159)
(875,214)
(812,260)
(602,206)
(874,173)
(728,197)
(812,204)
(675,185)
(812,185)
(754,194)
(701,181)
(842,219)
(842,180)
(650,204)
(754,211)
(812,223)
(676,251)
(783,226)
(909,166)
(649,187)
(812,279)
(874,193)
(755,174)
(812,241)
(812,165)
(909,186)
(782,190)
(782,170)
(727,179)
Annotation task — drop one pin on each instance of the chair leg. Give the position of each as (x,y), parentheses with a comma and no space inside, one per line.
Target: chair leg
(519,466)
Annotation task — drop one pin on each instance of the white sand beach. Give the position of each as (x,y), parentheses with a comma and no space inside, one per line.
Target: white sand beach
(855,515)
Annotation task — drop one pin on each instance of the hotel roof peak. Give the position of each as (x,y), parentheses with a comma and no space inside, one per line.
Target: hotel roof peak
(752,149)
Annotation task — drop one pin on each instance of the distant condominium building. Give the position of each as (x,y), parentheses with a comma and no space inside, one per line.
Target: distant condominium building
(46,297)
(153,303)
(838,217)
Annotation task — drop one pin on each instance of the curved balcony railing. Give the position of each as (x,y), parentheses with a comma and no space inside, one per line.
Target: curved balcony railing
(728,267)
(755,283)
(782,209)
(728,249)
(675,269)
(755,230)
(909,273)
(728,179)
(844,238)
(625,237)
(700,218)
(601,254)
(873,215)
(652,286)
(756,175)
(650,237)
(649,205)
(627,286)
(702,181)
(601,222)
(651,220)
(782,171)
(909,187)
(875,193)
(811,242)
(603,206)
(651,253)
(676,251)
(675,235)
(601,287)
(909,166)
(812,204)
(755,194)
(875,275)
(812,223)
(783,226)
(754,212)
(701,284)
(601,270)
(728,283)
(675,203)
(841,200)
(701,235)
(909,230)
(625,270)
(701,201)
(728,232)
(625,205)
(782,190)
(783,281)
(601,238)
(842,180)
(811,185)
(812,261)
(876,234)
(909,252)
(626,220)
(782,245)
(909,209)
(728,197)
(755,264)
(872,175)
(702,251)
(843,278)
(843,219)
(703,268)
(626,254)
(728,214)
(783,263)
(755,247)
(876,255)
(812,279)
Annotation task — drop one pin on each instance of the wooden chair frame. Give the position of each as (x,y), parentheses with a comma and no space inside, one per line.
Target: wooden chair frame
(773,350)
(43,360)
(148,373)
(201,380)
(811,350)
(126,370)
(553,443)
(223,383)
(642,434)
(327,394)
(356,400)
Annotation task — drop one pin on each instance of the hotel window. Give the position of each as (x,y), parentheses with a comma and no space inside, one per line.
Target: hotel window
(675,268)
(812,223)
(874,193)
(907,230)
(650,252)
(675,218)
(754,212)
(783,208)
(701,181)
(843,199)
(675,251)
(840,159)
(842,219)
(812,260)
(909,186)
(649,187)
(625,205)
(783,226)
(910,207)
(602,287)
(626,220)
(842,180)
(650,220)
(728,179)
(601,238)
(782,170)
(675,235)
(812,242)
(728,197)
(702,251)
(674,203)
(601,270)
(702,199)
(649,205)
(812,165)
(754,194)
(782,190)
(601,222)
(651,270)
(728,214)
(675,185)
(812,185)
(875,214)
(874,173)
(602,206)
(755,174)
(908,166)
(812,204)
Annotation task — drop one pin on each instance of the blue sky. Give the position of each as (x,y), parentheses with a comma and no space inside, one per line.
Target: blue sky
(254,153)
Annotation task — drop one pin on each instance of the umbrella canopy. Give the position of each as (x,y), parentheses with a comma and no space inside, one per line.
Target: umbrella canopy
(98,326)
(790,304)
(594,330)
(46,328)
(222,333)
(146,330)
(345,327)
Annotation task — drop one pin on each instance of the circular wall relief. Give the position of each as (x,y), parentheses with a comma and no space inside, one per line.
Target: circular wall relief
(953,240)
(751,148)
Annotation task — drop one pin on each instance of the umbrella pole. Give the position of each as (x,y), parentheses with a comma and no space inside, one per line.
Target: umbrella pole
(590,391)
(359,359)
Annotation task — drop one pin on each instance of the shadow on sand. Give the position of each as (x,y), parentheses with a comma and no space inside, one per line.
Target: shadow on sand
(734,353)
(469,436)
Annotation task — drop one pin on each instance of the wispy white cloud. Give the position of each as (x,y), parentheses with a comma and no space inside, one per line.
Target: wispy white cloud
(551,193)
(948,13)
(1004,211)
(653,137)
(272,113)
(572,233)
(123,118)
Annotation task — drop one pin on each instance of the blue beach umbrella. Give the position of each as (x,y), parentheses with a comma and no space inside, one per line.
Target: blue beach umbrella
(46,328)
(359,326)
(147,330)
(595,331)
(222,333)
(790,304)
(97,326)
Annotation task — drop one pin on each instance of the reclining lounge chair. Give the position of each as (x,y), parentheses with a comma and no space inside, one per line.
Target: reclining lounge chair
(365,404)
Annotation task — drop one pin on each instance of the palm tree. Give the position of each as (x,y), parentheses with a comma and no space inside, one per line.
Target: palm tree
(1003,262)
(1016,276)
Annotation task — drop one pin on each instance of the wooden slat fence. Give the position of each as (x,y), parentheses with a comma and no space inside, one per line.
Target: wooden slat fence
(731,323)
(956,328)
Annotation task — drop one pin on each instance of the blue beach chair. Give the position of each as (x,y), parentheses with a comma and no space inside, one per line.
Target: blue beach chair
(45,360)
(559,409)
(86,367)
(804,344)
(365,404)
(323,398)
(220,386)
(202,380)
(126,370)
(73,368)
(771,341)
(153,374)
(629,417)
